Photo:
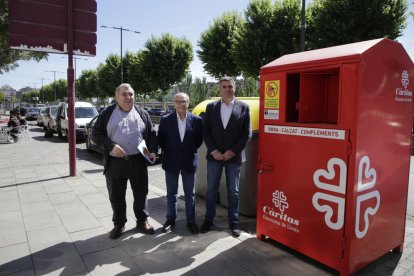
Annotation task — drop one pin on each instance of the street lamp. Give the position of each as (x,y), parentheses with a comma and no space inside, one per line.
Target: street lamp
(302,27)
(54,79)
(121,30)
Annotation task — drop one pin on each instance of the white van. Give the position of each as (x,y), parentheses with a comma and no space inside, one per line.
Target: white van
(84,113)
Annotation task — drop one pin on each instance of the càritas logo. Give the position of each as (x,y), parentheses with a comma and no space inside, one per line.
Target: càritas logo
(277,214)
(367,178)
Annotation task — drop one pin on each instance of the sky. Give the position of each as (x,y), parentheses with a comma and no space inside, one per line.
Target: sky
(180,18)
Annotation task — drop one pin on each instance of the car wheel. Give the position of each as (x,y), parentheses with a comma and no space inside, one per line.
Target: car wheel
(60,134)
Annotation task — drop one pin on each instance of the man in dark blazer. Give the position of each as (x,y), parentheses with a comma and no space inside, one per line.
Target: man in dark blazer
(226,132)
(179,137)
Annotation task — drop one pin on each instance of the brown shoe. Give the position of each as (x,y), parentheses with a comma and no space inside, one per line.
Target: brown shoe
(145,227)
(116,232)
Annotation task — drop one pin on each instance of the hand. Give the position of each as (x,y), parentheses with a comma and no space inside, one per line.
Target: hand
(153,157)
(117,151)
(229,154)
(217,155)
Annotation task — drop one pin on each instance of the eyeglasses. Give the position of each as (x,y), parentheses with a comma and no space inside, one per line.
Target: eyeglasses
(181,102)
(227,86)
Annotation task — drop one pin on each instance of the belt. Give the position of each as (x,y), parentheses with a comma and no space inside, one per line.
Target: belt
(127,157)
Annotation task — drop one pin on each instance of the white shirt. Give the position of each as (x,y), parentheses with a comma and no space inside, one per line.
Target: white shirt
(225,112)
(181,126)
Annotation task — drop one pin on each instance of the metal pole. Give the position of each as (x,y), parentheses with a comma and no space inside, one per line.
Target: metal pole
(122,64)
(121,30)
(71,99)
(302,28)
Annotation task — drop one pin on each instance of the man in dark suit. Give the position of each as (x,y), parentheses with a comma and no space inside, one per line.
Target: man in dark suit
(179,137)
(226,132)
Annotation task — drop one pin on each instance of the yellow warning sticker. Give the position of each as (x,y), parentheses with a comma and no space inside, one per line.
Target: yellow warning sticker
(272,92)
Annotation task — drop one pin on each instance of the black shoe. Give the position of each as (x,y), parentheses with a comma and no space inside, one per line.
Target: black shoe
(206,226)
(193,228)
(145,227)
(168,226)
(235,231)
(116,232)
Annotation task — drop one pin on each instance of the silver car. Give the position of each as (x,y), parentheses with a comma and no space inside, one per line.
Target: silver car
(49,122)
(40,116)
(32,113)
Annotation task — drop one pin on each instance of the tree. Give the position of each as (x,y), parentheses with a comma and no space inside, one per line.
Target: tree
(249,88)
(87,86)
(10,57)
(2,96)
(109,75)
(165,61)
(336,22)
(270,31)
(139,79)
(217,46)
(198,91)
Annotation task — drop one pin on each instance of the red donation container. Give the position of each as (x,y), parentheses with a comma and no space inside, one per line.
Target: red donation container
(334,152)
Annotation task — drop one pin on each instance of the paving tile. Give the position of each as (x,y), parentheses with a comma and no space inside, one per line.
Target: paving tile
(48,237)
(161,261)
(15,259)
(8,194)
(57,188)
(30,188)
(36,208)
(113,261)
(76,217)
(93,240)
(12,229)
(66,197)
(26,198)
(9,206)
(59,260)
(41,221)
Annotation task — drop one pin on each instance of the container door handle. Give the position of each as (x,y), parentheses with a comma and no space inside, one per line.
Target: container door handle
(264,168)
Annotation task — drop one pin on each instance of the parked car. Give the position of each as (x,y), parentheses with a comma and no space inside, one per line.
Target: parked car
(50,121)
(40,116)
(87,134)
(32,113)
(156,112)
(84,112)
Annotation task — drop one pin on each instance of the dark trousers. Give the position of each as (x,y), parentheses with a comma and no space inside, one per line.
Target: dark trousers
(119,172)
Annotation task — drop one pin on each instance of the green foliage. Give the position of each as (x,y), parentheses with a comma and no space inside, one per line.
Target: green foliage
(270,31)
(47,92)
(2,96)
(87,85)
(217,45)
(9,57)
(139,79)
(165,61)
(335,22)
(30,96)
(109,75)
(249,88)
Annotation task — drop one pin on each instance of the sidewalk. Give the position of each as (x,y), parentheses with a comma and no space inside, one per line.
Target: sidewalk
(54,224)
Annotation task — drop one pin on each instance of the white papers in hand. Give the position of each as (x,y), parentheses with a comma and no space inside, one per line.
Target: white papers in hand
(142,147)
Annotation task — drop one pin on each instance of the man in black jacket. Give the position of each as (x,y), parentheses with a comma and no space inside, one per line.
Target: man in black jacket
(119,130)
(226,132)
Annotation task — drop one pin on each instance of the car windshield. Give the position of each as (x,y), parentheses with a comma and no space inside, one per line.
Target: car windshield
(85,112)
(33,110)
